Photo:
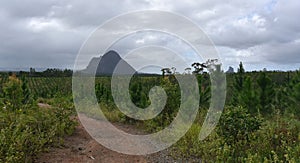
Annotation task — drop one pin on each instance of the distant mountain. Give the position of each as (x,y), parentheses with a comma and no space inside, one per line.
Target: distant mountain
(106,64)
(230,70)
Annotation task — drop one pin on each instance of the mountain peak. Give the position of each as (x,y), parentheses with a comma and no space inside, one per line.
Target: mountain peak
(107,63)
(112,54)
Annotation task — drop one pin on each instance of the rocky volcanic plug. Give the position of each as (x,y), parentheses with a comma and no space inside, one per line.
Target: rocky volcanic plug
(107,63)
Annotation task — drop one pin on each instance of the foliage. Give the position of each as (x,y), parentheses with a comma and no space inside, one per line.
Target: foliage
(240,78)
(172,90)
(248,96)
(260,122)
(247,131)
(236,124)
(294,94)
(204,90)
(266,93)
(13,93)
(275,141)
(27,99)
(49,87)
(26,130)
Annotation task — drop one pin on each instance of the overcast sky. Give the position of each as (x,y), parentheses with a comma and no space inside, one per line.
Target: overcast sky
(261,33)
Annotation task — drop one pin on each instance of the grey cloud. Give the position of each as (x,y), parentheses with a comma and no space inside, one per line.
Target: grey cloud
(284,53)
(26,8)
(266,29)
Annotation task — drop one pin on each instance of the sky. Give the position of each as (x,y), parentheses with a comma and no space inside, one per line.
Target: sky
(42,34)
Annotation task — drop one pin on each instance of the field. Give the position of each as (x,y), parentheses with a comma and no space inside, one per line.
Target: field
(260,122)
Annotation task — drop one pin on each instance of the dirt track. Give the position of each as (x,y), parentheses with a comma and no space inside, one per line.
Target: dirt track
(81,147)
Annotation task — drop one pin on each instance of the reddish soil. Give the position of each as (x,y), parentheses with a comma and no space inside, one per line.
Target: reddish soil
(81,147)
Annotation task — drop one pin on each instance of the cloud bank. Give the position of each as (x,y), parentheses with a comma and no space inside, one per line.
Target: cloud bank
(261,33)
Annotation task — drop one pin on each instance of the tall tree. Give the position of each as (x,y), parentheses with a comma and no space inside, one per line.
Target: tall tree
(26,92)
(165,71)
(282,99)
(266,93)
(199,67)
(240,78)
(248,96)
(294,94)
(204,91)
(238,85)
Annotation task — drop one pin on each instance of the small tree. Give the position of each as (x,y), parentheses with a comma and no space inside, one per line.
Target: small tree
(13,93)
(238,85)
(248,96)
(266,93)
(236,124)
(282,99)
(204,91)
(295,99)
(26,92)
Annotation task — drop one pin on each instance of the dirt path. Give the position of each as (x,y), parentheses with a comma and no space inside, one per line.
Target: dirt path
(81,147)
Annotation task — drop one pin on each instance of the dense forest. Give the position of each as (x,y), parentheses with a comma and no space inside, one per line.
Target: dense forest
(260,122)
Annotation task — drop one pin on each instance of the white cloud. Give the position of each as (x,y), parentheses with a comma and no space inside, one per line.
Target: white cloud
(259,32)
(244,53)
(43,24)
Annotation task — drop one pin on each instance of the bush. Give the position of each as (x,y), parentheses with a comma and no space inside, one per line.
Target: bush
(236,124)
(13,93)
(273,140)
(26,130)
(30,133)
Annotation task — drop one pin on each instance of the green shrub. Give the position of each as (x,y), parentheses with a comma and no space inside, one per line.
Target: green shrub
(32,132)
(26,130)
(236,124)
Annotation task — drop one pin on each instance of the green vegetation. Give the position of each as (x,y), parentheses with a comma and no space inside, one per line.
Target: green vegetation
(260,122)
(275,141)
(25,129)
